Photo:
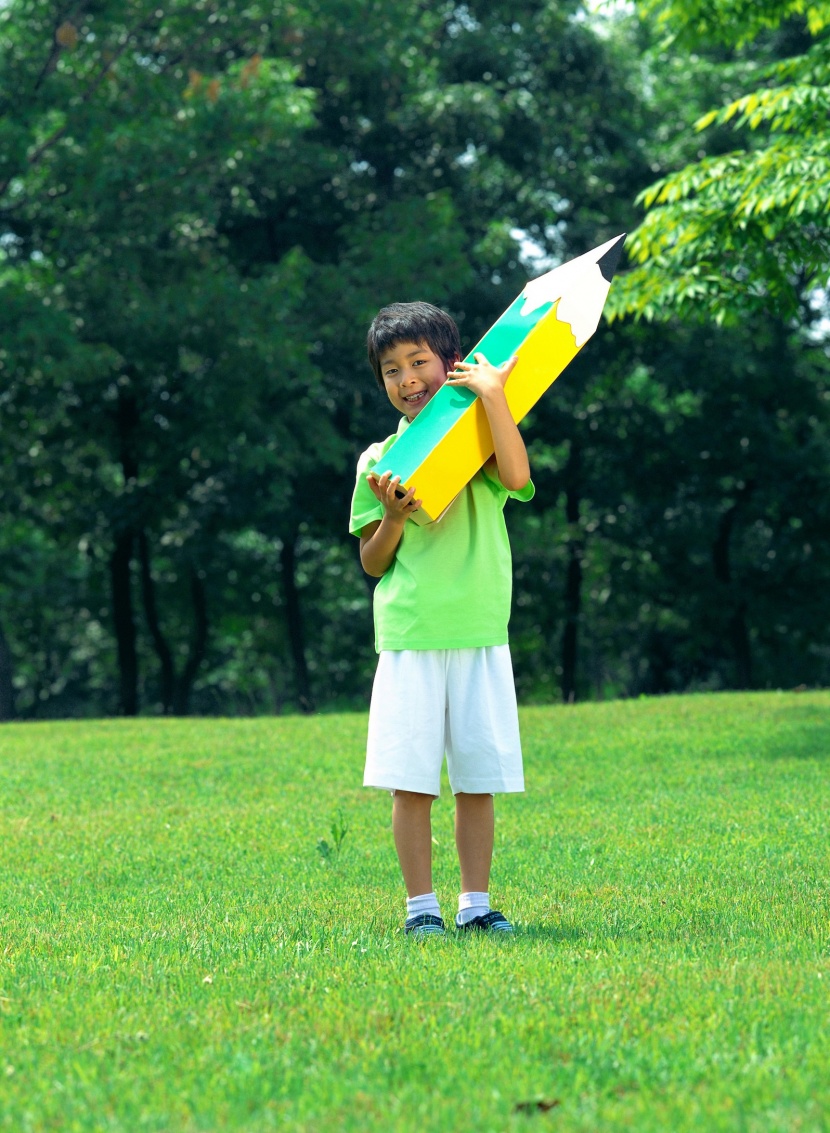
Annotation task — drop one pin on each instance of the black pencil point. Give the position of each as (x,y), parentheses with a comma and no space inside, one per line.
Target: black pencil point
(607,264)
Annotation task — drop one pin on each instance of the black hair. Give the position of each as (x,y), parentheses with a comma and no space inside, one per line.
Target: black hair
(412,322)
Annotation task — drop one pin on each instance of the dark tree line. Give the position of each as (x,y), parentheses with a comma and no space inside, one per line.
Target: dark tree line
(203,205)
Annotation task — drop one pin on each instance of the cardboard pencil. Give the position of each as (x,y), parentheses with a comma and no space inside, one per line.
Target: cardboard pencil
(546,327)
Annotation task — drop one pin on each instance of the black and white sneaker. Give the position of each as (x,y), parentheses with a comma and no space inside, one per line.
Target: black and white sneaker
(425,924)
(490,922)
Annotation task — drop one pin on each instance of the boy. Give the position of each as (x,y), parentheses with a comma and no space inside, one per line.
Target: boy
(444,680)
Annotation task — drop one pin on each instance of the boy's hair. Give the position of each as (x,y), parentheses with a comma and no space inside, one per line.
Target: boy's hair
(412,322)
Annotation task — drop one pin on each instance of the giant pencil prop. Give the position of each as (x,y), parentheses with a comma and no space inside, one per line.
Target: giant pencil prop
(546,327)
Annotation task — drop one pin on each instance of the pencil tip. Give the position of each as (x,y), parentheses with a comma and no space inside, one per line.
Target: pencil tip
(607,263)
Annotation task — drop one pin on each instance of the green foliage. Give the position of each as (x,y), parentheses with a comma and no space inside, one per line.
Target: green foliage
(206,207)
(176,957)
(153,404)
(700,495)
(201,209)
(732,21)
(743,231)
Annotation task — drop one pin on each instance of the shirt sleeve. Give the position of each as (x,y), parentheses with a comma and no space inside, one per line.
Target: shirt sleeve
(523,495)
(366,507)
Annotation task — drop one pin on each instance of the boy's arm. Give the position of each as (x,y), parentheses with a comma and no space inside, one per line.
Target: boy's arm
(379,540)
(487,381)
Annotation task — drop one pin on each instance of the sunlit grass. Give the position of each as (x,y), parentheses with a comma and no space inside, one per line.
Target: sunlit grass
(184,946)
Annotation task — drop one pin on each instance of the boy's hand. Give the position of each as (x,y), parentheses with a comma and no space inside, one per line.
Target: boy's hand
(481,376)
(397,508)
(487,381)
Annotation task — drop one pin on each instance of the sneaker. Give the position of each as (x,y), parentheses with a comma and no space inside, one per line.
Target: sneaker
(490,922)
(425,924)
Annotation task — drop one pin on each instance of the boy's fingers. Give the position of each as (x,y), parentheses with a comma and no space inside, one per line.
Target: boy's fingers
(386,487)
(509,364)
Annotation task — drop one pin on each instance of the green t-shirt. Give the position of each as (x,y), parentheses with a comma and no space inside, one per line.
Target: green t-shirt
(450,584)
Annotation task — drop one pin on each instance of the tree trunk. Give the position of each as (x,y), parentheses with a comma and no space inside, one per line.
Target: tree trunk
(739,633)
(659,662)
(175,691)
(736,625)
(184,685)
(573,579)
(7,710)
(148,595)
(126,420)
(124,623)
(294,620)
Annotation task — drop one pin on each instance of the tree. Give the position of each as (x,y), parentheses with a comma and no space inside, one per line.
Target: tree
(745,230)
(202,210)
(706,253)
(120,160)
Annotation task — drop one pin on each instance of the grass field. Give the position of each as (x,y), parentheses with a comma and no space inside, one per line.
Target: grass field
(185,948)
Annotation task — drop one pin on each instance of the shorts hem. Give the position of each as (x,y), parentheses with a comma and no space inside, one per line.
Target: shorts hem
(417,788)
(488,787)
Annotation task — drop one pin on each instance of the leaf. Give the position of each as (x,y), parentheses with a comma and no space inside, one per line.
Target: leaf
(66,35)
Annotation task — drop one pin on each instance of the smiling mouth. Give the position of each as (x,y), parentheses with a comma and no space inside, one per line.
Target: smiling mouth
(415,398)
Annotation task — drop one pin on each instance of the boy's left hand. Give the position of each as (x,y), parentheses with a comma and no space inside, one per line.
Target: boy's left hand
(481,376)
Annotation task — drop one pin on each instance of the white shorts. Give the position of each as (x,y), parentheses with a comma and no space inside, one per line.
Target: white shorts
(426,702)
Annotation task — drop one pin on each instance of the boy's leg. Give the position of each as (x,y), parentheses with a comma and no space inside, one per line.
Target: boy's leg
(484,755)
(412,829)
(406,757)
(474,833)
(474,829)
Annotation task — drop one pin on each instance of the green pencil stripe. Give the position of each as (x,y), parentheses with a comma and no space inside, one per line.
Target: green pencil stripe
(508,333)
(432,423)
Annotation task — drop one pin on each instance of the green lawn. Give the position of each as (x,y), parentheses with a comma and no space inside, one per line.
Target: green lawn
(178,952)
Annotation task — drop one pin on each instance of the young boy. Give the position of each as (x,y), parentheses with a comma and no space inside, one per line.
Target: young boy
(444,681)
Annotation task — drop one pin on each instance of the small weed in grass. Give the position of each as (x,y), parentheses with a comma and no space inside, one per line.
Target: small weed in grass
(339,829)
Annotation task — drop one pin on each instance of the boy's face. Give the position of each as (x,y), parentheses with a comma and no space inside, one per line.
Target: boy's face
(412,374)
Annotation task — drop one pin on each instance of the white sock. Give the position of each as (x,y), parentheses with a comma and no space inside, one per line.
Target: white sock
(471,905)
(426,903)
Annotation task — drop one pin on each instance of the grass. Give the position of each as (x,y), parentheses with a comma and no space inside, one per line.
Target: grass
(200,929)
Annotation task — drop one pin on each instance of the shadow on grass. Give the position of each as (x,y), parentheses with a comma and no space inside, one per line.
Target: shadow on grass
(800,732)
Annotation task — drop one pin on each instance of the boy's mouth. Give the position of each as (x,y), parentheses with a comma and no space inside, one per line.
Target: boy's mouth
(415,398)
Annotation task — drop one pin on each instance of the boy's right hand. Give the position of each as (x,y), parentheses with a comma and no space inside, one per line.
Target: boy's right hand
(397,508)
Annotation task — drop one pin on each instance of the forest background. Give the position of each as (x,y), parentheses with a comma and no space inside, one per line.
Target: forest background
(201,207)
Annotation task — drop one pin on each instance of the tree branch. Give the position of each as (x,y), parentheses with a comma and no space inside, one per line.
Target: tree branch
(56,135)
(73,16)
